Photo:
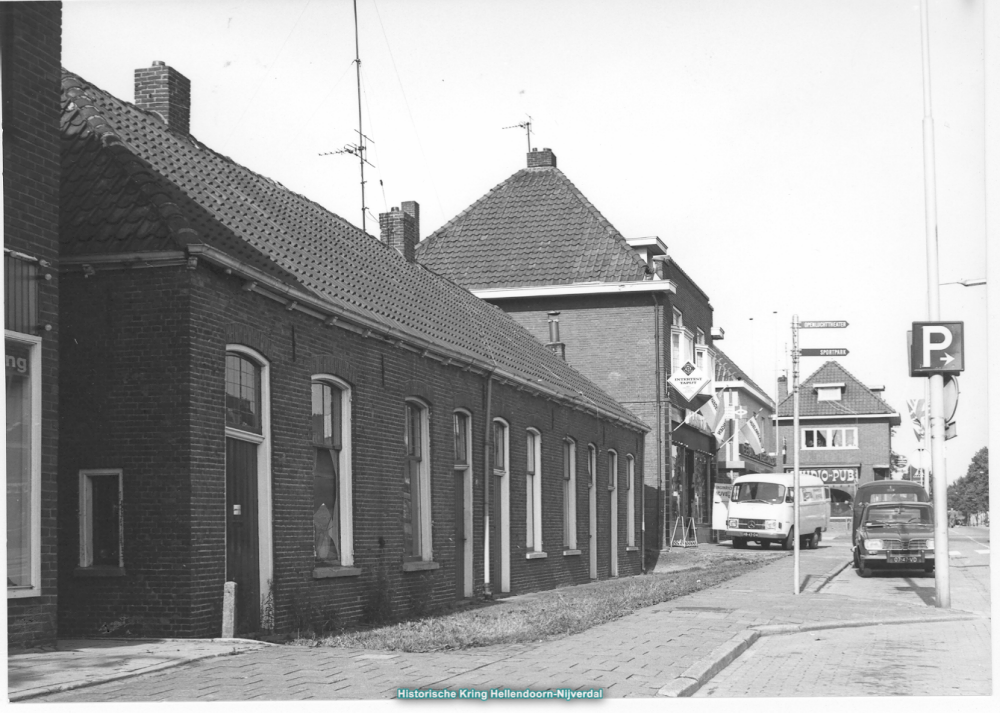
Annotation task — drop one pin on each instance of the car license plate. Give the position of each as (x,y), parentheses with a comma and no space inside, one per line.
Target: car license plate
(904,559)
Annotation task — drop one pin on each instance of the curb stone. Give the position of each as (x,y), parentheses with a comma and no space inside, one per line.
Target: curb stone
(703,670)
(61,687)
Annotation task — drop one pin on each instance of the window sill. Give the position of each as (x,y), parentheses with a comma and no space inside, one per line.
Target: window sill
(631,548)
(572,553)
(99,572)
(536,555)
(420,565)
(330,572)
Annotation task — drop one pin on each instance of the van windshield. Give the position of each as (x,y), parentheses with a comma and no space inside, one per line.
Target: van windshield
(758,493)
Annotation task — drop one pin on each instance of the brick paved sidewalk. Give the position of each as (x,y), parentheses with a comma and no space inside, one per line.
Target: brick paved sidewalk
(630,657)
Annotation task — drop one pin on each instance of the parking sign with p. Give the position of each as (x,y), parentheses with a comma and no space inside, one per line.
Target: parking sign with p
(937,348)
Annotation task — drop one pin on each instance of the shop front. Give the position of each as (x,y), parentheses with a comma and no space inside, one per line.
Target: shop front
(843,481)
(692,481)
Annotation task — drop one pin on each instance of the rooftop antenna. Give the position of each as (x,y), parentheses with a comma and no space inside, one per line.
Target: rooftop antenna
(526,125)
(359,148)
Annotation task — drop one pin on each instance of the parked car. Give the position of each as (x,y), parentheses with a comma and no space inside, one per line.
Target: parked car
(761,510)
(895,535)
(885,491)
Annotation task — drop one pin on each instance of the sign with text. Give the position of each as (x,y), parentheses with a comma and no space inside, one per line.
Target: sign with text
(836,475)
(823,352)
(937,348)
(689,380)
(821,324)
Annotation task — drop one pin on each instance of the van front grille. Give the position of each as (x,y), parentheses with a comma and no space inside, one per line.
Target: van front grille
(751,524)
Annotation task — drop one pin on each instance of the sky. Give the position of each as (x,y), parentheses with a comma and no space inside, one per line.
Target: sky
(775,146)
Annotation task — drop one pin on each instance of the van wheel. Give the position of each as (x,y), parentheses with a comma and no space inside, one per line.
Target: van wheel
(739,543)
(789,542)
(814,541)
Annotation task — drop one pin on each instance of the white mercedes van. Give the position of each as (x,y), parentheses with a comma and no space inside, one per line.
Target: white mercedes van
(761,510)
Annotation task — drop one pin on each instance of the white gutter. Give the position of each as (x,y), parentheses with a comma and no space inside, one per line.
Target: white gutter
(578,288)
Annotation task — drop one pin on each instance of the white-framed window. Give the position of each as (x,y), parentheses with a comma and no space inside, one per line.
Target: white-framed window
(333,526)
(829,438)
(501,460)
(416,484)
(533,488)
(23,370)
(569,494)
(702,354)
(613,506)
(677,319)
(462,428)
(630,494)
(101,529)
(592,503)
(829,392)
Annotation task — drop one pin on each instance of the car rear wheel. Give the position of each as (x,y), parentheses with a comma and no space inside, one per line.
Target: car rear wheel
(929,567)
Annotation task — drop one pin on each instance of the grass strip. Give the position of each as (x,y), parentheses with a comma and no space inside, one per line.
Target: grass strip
(540,615)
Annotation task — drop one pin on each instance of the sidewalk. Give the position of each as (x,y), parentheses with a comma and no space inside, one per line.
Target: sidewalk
(669,649)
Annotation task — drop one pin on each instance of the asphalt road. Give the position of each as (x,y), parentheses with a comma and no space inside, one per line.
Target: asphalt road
(927,659)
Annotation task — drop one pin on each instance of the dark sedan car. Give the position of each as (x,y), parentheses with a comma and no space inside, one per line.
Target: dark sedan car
(895,536)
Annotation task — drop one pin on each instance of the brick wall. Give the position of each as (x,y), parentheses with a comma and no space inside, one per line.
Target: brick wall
(198,312)
(31,74)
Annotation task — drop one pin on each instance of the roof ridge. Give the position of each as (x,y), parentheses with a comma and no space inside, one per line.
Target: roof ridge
(837,365)
(743,374)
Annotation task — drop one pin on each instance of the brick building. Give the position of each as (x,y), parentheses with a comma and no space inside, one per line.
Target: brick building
(846,431)
(30,62)
(627,315)
(257,391)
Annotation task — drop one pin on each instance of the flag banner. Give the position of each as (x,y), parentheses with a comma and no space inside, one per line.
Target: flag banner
(712,411)
(916,407)
(751,429)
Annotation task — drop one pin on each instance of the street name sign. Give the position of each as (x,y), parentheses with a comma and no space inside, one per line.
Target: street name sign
(829,324)
(823,352)
(937,348)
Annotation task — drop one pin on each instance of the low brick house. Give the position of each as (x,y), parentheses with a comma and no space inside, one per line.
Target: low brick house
(628,316)
(30,46)
(257,391)
(845,431)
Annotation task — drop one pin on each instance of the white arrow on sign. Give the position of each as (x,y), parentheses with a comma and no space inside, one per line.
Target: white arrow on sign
(947,359)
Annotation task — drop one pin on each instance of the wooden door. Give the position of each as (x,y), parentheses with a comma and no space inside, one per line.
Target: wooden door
(242,541)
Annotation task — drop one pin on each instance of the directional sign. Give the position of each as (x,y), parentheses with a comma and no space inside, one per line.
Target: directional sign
(823,352)
(830,324)
(937,348)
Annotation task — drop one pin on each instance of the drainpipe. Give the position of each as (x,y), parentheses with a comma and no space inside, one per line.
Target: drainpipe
(659,428)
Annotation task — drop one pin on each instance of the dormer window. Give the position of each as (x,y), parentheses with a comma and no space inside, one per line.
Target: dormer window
(829,392)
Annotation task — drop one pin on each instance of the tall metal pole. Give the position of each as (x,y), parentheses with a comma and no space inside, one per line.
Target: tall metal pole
(795,448)
(777,398)
(361,135)
(936,405)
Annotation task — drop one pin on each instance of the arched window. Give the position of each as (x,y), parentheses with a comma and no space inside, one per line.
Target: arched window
(416,484)
(569,494)
(613,506)
(630,495)
(332,477)
(533,488)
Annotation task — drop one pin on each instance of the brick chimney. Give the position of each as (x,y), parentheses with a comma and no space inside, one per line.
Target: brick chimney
(782,388)
(167,92)
(557,347)
(400,229)
(541,159)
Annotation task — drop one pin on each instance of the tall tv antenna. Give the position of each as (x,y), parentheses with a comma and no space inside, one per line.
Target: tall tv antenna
(359,148)
(526,125)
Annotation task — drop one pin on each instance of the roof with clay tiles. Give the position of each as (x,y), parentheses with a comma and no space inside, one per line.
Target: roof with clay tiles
(133,185)
(856,400)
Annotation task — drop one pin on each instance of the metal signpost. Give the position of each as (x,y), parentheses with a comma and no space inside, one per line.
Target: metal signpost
(796,353)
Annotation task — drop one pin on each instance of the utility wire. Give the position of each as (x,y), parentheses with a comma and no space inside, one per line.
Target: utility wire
(250,102)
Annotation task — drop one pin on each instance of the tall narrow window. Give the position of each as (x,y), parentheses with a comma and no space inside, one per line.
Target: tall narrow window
(242,394)
(630,494)
(332,486)
(592,503)
(462,426)
(416,485)
(500,516)
(533,487)
(569,494)
(22,356)
(101,518)
(613,506)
